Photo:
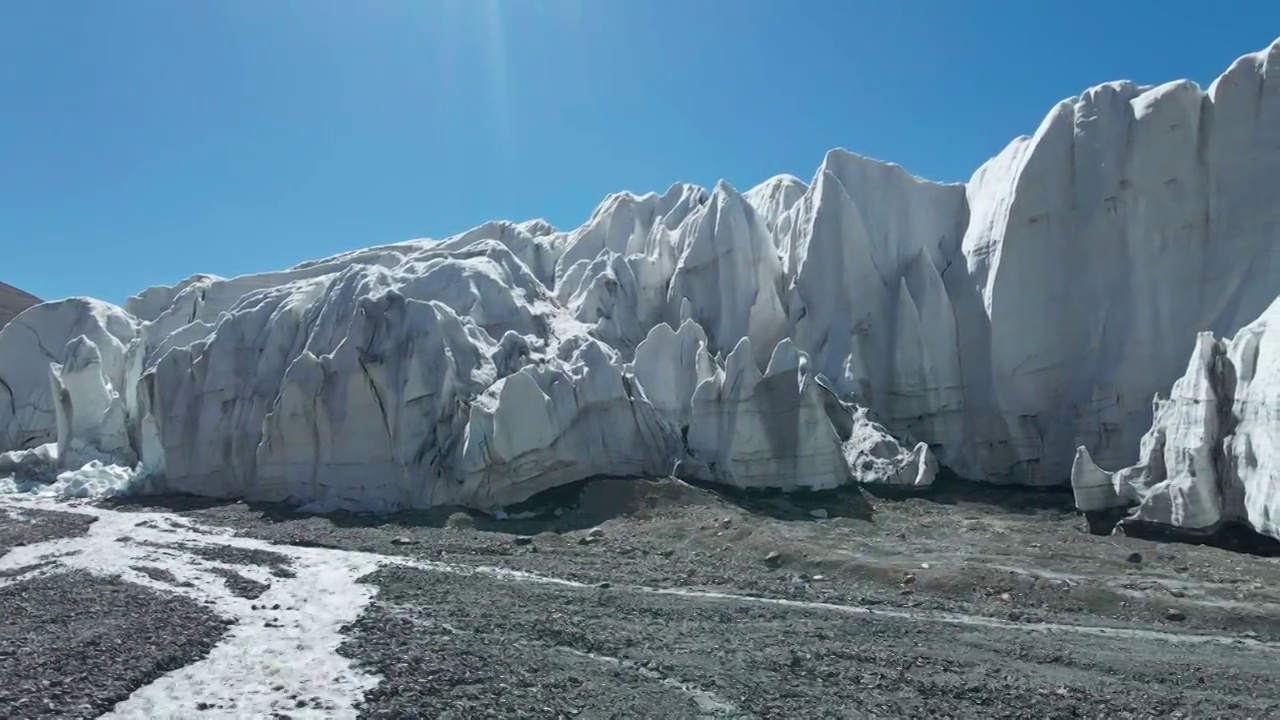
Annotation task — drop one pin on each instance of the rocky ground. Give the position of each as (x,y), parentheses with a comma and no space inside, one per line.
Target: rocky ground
(73,644)
(626,599)
(26,526)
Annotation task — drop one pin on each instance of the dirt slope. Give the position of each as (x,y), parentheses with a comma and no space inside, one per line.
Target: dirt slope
(13,301)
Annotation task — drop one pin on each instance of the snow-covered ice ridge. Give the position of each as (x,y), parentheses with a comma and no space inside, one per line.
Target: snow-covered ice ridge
(866,326)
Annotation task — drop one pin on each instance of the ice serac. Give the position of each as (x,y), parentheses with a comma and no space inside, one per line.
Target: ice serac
(728,271)
(774,199)
(375,418)
(543,427)
(763,430)
(38,338)
(669,366)
(90,414)
(866,326)
(867,298)
(1211,455)
(1132,220)
(344,387)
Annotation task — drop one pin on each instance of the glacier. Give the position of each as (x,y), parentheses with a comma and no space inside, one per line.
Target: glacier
(865,326)
(1210,457)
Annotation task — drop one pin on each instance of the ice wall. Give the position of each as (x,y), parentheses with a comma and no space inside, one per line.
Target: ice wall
(1212,455)
(865,326)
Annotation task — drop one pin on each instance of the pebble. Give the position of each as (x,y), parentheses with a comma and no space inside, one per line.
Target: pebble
(819,514)
(773,559)
(1174,615)
(522,540)
(1134,558)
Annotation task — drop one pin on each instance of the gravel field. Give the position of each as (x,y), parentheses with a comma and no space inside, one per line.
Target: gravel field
(476,648)
(25,526)
(640,599)
(1010,553)
(73,645)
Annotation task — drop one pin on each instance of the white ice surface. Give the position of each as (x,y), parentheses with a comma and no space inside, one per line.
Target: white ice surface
(1002,323)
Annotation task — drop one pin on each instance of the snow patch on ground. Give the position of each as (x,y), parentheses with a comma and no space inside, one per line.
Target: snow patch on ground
(282,651)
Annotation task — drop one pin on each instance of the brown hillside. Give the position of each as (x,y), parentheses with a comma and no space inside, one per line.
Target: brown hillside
(13,301)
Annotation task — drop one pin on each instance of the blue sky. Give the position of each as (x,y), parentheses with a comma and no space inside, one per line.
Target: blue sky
(142,141)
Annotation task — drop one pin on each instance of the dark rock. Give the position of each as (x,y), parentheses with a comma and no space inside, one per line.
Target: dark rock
(460,521)
(241,586)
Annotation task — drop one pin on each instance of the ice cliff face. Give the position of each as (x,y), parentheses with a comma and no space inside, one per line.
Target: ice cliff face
(865,326)
(1211,455)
